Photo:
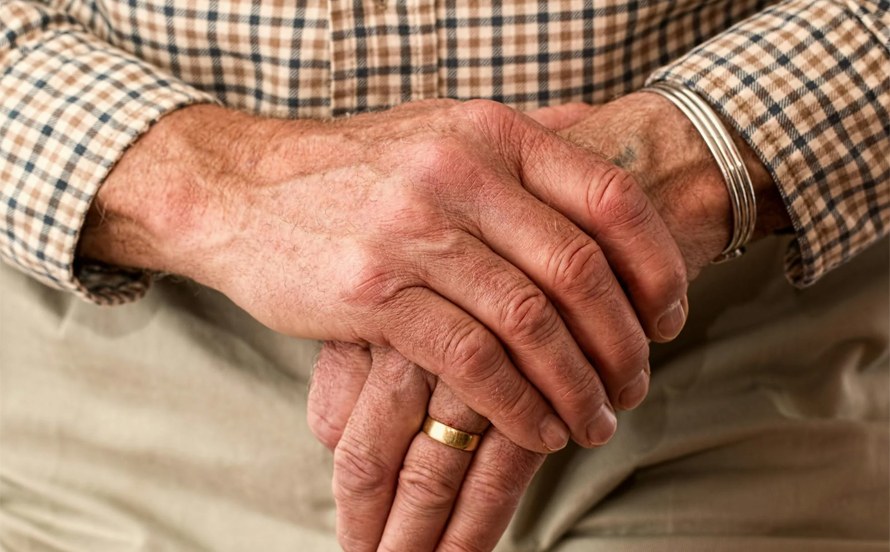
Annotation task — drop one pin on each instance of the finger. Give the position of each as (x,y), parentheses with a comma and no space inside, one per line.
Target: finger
(503,298)
(574,272)
(392,404)
(495,482)
(430,479)
(337,380)
(438,335)
(559,117)
(607,202)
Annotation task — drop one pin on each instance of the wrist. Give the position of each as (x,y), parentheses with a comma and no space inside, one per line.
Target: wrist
(170,203)
(647,135)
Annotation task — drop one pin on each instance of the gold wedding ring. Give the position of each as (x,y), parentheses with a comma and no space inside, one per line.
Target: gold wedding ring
(450,436)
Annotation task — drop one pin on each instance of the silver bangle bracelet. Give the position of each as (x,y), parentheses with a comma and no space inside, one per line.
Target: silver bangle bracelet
(729,161)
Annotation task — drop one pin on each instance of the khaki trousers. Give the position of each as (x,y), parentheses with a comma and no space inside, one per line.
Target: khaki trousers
(178,423)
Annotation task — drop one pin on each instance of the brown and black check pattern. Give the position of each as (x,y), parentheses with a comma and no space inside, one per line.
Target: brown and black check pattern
(807,83)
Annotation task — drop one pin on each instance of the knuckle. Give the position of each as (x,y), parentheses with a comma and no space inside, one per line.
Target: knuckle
(456,246)
(335,361)
(493,118)
(472,354)
(358,471)
(392,373)
(528,316)
(426,489)
(442,155)
(579,266)
(617,197)
(477,364)
(600,284)
(486,109)
(496,489)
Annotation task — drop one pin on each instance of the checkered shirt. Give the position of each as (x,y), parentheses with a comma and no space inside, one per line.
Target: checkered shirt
(805,83)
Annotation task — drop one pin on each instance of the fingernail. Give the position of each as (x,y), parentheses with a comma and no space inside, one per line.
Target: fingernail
(634,392)
(671,323)
(602,427)
(554,433)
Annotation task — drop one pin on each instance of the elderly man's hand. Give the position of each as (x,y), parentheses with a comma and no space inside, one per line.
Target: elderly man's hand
(397,489)
(402,491)
(435,228)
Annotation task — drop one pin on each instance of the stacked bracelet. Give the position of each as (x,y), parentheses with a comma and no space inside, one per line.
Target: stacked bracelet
(719,142)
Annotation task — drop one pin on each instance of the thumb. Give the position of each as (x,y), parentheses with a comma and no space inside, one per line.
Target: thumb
(559,117)
(337,381)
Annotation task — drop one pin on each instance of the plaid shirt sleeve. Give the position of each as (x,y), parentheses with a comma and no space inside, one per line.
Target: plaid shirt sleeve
(70,105)
(806,83)
(807,86)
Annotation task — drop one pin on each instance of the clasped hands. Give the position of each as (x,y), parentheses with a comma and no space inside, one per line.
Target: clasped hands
(472,262)
(595,273)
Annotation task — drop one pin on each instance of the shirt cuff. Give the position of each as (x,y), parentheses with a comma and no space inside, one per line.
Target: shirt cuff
(807,86)
(70,106)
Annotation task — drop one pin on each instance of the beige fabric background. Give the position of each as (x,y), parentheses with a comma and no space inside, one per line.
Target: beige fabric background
(178,423)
